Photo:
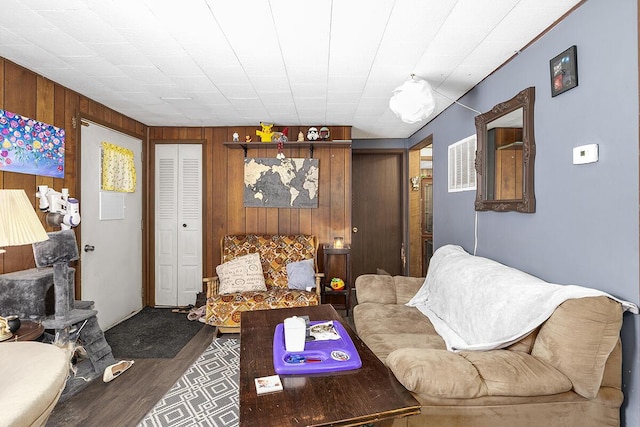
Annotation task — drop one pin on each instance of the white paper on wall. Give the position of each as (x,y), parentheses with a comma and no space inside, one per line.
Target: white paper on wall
(111,205)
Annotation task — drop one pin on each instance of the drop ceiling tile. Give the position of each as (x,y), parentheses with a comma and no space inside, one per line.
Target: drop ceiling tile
(238,91)
(314,62)
(281,110)
(335,109)
(226,74)
(176,65)
(267,84)
(314,90)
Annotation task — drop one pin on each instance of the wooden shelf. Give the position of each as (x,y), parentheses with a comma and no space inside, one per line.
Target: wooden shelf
(294,144)
(337,263)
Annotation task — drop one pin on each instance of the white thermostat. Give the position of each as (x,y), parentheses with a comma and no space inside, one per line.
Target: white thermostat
(585,154)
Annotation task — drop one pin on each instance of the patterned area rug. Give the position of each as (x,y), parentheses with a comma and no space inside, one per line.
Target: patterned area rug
(206,395)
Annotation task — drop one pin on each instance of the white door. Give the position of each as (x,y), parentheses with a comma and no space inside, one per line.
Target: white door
(112,271)
(178,223)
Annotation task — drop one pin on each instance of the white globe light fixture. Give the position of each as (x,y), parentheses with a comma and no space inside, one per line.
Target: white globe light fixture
(413,101)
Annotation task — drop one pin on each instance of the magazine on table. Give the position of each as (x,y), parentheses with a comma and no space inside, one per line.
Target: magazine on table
(268,384)
(324,331)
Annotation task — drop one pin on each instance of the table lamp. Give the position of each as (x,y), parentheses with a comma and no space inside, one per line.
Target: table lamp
(19,223)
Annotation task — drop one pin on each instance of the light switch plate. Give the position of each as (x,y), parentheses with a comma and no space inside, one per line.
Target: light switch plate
(585,154)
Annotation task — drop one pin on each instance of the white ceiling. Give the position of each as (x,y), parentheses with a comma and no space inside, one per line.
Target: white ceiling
(288,62)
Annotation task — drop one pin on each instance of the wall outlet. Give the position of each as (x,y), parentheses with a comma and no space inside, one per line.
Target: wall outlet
(585,154)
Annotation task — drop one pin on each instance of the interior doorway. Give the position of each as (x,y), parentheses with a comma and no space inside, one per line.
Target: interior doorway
(177,223)
(377,200)
(111,238)
(420,207)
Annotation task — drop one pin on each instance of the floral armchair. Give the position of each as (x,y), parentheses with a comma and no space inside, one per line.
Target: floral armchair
(223,308)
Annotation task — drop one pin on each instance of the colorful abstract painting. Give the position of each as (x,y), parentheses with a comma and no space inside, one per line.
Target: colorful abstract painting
(29,146)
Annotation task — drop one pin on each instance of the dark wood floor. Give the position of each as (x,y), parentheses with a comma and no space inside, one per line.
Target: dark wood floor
(124,401)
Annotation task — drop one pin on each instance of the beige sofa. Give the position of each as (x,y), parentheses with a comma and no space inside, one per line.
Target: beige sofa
(567,372)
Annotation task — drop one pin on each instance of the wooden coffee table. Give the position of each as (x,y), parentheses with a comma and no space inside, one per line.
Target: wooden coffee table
(347,398)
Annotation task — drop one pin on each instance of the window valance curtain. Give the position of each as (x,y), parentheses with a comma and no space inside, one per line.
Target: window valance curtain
(118,169)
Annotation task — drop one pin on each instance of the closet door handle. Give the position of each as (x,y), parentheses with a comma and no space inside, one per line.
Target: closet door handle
(89,248)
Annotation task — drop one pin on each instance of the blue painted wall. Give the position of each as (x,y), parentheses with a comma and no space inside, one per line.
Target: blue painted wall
(585,228)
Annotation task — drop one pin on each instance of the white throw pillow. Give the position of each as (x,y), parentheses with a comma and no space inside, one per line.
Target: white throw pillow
(241,274)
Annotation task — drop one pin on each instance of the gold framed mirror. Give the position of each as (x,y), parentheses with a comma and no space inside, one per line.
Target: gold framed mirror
(505,156)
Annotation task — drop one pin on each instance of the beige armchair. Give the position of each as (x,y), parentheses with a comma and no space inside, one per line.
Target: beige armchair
(33,375)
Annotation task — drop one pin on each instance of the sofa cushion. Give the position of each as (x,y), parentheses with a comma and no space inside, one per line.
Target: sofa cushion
(384,344)
(466,375)
(513,373)
(439,373)
(301,274)
(578,338)
(226,309)
(241,274)
(398,319)
(407,287)
(379,289)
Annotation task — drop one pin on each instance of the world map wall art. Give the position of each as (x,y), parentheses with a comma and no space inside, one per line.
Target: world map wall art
(280,183)
(31,147)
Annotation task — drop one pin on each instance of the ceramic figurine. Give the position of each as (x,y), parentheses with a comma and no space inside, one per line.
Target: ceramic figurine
(236,137)
(247,138)
(276,137)
(312,134)
(300,136)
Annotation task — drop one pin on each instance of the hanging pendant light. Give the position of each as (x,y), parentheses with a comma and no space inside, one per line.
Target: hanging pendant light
(413,101)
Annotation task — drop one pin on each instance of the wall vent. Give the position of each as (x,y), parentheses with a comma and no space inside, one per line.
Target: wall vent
(462,171)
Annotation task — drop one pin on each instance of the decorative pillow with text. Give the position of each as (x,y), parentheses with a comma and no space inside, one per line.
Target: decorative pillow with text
(242,274)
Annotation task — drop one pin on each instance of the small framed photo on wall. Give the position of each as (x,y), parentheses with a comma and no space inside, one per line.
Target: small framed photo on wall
(564,71)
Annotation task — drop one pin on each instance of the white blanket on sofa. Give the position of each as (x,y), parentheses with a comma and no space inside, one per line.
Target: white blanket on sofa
(476,303)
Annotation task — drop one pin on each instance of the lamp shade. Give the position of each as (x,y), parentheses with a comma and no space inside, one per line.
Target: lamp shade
(19,223)
(413,101)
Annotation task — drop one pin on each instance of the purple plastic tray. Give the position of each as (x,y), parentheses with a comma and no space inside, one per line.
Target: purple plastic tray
(334,355)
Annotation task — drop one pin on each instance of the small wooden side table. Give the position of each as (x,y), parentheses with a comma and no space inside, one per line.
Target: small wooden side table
(29,331)
(337,263)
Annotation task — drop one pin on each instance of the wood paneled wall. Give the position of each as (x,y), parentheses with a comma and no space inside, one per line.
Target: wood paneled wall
(224,211)
(28,94)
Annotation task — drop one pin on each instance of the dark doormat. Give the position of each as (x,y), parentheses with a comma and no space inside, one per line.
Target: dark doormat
(153,333)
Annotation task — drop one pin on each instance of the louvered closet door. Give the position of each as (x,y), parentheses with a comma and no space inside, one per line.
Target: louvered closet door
(178,217)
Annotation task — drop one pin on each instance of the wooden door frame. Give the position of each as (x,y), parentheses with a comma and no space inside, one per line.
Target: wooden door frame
(414,241)
(404,173)
(149,294)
